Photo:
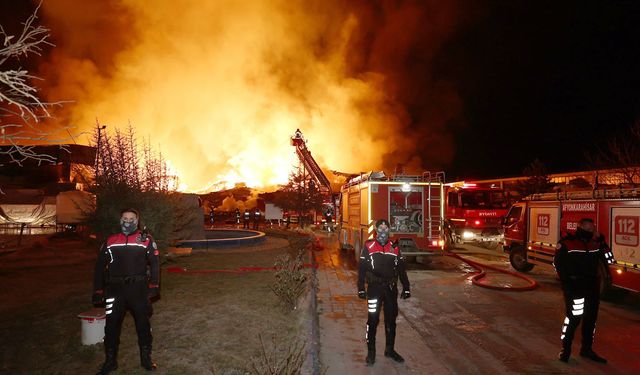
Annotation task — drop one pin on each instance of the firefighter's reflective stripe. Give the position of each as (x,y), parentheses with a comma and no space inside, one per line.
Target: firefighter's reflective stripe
(372,305)
(564,328)
(609,257)
(578,307)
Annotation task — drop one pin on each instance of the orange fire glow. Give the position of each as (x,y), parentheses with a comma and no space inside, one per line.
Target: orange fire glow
(221,86)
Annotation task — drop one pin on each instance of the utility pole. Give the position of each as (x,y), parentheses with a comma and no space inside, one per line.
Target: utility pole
(97,164)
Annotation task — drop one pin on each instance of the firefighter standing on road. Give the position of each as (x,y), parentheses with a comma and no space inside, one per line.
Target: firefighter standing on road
(256,219)
(577,261)
(246,218)
(381,263)
(126,278)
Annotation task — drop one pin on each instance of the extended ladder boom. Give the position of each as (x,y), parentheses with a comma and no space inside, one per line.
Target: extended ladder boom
(309,162)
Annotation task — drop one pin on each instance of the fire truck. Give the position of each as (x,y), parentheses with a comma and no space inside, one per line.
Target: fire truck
(412,204)
(474,213)
(534,226)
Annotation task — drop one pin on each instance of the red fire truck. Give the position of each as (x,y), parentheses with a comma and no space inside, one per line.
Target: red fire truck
(412,204)
(534,226)
(474,213)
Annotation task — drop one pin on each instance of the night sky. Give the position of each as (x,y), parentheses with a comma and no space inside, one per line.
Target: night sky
(534,79)
(543,79)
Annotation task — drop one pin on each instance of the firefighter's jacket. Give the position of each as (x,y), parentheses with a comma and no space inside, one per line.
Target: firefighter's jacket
(125,256)
(382,264)
(577,261)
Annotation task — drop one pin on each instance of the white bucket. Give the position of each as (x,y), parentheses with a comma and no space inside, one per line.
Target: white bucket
(92,325)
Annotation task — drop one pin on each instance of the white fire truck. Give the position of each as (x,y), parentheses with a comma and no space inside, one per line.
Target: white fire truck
(413,205)
(534,226)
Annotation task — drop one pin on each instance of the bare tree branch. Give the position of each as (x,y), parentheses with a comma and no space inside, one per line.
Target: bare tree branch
(16,90)
(20,105)
(621,155)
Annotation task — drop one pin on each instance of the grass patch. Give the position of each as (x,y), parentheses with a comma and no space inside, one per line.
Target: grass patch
(203,324)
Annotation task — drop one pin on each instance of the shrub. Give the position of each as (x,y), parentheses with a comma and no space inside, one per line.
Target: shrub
(291,279)
(279,361)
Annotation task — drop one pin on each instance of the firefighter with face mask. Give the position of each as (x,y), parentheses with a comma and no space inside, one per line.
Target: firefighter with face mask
(381,264)
(577,260)
(127,277)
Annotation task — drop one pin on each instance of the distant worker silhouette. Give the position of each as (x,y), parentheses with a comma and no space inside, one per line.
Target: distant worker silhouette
(256,219)
(246,217)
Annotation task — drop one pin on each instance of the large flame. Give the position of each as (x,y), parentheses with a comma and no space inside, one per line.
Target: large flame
(222,85)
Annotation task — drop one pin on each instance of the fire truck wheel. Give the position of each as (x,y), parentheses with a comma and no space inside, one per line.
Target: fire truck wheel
(518,259)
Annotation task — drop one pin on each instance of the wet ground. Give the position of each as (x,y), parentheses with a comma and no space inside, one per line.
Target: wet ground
(450,326)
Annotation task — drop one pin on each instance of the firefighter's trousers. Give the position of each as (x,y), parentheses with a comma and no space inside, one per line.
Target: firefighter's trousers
(121,297)
(382,296)
(581,303)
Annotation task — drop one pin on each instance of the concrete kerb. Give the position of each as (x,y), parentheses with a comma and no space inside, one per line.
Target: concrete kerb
(313,353)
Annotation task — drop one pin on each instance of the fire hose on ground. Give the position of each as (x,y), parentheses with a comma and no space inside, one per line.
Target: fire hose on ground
(482,273)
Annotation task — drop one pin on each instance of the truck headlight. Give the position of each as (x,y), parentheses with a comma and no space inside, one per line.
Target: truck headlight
(467,234)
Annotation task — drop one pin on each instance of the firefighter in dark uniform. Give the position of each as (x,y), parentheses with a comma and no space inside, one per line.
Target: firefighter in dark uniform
(245,219)
(256,219)
(329,218)
(237,216)
(577,260)
(381,264)
(127,277)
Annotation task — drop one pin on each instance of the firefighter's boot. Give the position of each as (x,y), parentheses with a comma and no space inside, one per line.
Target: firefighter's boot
(389,352)
(564,354)
(590,354)
(110,362)
(371,353)
(390,335)
(145,359)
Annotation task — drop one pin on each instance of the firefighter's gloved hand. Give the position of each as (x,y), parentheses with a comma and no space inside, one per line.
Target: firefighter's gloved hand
(362,294)
(154,291)
(405,294)
(97,298)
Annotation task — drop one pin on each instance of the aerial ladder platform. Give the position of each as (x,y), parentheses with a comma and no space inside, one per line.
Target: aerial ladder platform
(322,182)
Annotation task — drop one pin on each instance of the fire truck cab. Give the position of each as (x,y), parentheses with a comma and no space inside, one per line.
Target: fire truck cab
(534,226)
(412,205)
(474,213)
